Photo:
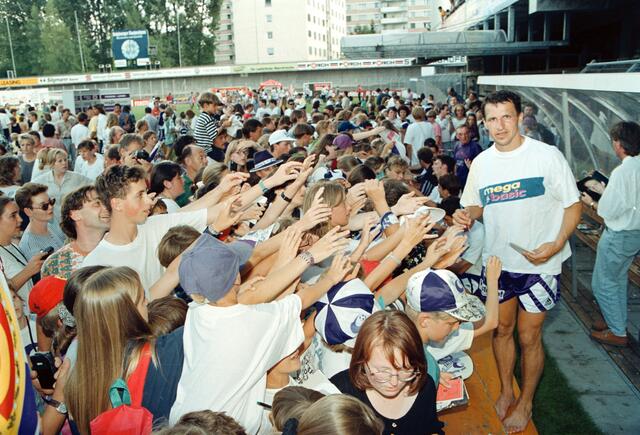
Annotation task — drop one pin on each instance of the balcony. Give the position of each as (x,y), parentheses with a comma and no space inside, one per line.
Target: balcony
(392,9)
(393,20)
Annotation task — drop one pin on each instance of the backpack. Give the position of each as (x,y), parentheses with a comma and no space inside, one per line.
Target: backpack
(128,416)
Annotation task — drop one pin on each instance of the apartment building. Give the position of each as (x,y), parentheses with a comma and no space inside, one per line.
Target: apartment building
(390,16)
(271,31)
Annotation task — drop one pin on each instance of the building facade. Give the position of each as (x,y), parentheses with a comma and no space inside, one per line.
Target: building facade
(224,48)
(390,16)
(272,31)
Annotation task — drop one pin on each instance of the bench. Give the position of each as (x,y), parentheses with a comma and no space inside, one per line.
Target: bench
(591,238)
(483,387)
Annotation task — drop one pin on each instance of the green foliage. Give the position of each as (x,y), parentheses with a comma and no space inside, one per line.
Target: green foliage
(45,41)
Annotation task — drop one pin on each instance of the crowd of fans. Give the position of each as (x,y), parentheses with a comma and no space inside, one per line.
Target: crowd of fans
(282,264)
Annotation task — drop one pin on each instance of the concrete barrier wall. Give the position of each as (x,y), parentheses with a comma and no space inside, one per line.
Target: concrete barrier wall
(349,79)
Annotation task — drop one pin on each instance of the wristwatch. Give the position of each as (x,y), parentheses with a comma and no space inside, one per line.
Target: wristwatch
(58,406)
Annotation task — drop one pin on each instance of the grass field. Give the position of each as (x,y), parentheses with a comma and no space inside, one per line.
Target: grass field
(556,408)
(138,112)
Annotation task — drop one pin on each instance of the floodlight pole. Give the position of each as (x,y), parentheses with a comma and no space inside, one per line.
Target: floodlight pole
(179,48)
(75,14)
(13,60)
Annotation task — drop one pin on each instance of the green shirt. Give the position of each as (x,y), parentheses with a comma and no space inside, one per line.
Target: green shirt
(183,199)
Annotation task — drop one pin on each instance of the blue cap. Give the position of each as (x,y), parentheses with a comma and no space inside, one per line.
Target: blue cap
(346,126)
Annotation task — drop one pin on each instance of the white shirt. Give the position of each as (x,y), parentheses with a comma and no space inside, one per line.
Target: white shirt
(141,255)
(172,206)
(91,171)
(102,127)
(13,261)
(4,120)
(416,134)
(444,127)
(79,132)
(227,352)
(619,205)
(523,193)
(473,254)
(457,341)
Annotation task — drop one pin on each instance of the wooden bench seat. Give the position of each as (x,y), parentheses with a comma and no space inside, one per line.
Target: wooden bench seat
(483,387)
(591,238)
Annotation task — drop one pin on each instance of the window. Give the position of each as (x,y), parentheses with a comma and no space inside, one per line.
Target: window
(413,25)
(269,35)
(270,51)
(308,17)
(269,18)
(267,3)
(310,50)
(309,33)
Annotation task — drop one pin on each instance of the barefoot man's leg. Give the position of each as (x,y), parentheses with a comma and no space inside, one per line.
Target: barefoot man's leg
(532,363)
(504,351)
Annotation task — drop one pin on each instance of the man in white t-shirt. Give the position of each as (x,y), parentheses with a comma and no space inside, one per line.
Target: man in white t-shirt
(80,131)
(133,239)
(89,162)
(417,133)
(527,196)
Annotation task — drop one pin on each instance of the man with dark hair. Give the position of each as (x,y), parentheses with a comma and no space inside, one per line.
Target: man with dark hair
(84,221)
(527,196)
(427,178)
(80,132)
(252,129)
(620,240)
(303,133)
(152,121)
(448,186)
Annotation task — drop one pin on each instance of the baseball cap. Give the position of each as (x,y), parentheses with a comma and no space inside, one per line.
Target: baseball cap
(342,310)
(343,141)
(324,173)
(346,126)
(279,136)
(46,294)
(210,267)
(441,290)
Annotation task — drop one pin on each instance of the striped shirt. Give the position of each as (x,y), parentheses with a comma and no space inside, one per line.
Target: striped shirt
(31,244)
(206,130)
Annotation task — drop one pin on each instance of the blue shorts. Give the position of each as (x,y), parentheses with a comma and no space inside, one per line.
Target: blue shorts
(535,293)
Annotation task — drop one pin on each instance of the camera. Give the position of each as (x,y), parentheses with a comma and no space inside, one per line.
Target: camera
(142,155)
(47,251)
(43,364)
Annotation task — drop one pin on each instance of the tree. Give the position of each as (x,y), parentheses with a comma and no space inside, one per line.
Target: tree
(60,54)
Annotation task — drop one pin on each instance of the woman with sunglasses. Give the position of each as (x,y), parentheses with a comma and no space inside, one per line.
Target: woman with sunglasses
(42,232)
(388,372)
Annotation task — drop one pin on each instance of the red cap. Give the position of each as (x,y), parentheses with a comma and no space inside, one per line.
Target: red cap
(46,294)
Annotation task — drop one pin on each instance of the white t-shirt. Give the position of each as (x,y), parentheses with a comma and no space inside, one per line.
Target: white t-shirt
(444,127)
(473,254)
(90,171)
(13,261)
(141,255)
(524,193)
(79,132)
(172,206)
(416,134)
(457,341)
(227,352)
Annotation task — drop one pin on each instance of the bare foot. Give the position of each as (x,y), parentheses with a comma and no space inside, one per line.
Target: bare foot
(503,403)
(518,418)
